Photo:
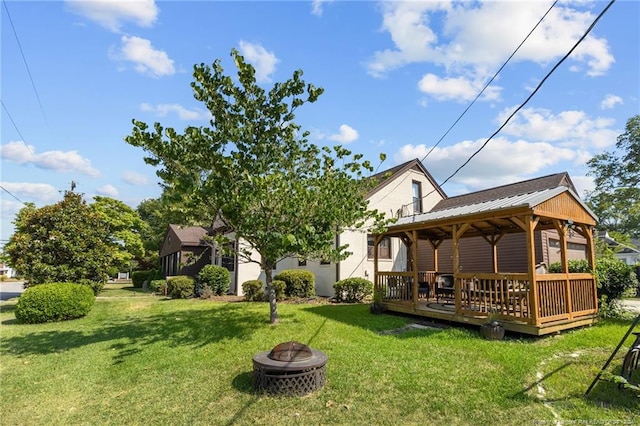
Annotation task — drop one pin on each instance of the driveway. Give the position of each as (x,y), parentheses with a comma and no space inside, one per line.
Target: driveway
(631,305)
(9,290)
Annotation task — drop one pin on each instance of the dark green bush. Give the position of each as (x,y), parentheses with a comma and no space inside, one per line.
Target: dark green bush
(352,290)
(253,290)
(298,282)
(139,277)
(54,302)
(575,267)
(180,287)
(158,286)
(214,276)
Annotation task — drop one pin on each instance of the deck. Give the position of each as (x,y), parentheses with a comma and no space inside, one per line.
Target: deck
(554,302)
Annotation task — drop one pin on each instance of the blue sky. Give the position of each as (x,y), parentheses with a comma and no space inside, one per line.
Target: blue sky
(396,76)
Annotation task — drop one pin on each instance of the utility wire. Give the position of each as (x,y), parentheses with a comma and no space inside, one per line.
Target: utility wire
(24,59)
(7,191)
(481,92)
(490,81)
(593,24)
(16,127)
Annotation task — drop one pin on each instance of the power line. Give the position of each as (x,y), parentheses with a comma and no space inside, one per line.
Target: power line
(17,129)
(7,191)
(24,59)
(593,24)
(490,81)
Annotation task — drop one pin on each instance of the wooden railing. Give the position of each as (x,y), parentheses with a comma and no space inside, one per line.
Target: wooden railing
(505,296)
(565,296)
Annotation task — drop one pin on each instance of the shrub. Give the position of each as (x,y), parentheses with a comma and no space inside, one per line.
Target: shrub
(180,287)
(3,277)
(158,286)
(214,276)
(352,290)
(54,302)
(139,277)
(253,290)
(206,292)
(615,280)
(575,267)
(298,282)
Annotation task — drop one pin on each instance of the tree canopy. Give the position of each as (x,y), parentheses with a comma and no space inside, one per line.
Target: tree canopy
(255,170)
(616,198)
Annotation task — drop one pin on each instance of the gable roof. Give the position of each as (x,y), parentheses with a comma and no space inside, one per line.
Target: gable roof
(387,176)
(189,235)
(505,191)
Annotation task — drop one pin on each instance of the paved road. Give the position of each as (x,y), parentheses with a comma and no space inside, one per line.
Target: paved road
(10,290)
(631,305)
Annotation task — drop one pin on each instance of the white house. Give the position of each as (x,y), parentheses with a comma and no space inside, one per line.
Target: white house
(408,185)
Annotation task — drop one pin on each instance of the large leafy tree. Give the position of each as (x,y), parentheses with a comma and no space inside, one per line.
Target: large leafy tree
(66,241)
(616,198)
(126,229)
(255,170)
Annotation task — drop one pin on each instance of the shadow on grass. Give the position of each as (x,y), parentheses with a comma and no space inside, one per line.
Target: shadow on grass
(358,315)
(607,394)
(195,328)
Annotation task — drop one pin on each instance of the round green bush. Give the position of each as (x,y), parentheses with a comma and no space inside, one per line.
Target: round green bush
(54,302)
(253,290)
(352,290)
(298,282)
(180,287)
(214,276)
(280,287)
(158,286)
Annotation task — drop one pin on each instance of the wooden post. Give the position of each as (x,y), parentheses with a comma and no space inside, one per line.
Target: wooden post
(414,238)
(376,279)
(530,226)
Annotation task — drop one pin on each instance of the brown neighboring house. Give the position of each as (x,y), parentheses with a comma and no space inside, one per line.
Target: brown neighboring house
(183,250)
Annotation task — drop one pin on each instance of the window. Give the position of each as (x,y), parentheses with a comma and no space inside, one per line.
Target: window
(325,262)
(302,262)
(416,188)
(384,247)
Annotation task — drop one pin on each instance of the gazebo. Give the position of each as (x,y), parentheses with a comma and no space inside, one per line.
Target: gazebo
(526,298)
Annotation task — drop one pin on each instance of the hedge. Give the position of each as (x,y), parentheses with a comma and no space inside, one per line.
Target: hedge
(180,287)
(54,302)
(352,290)
(298,282)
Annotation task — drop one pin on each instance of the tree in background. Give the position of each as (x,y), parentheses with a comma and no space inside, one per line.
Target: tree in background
(616,198)
(256,171)
(65,242)
(126,230)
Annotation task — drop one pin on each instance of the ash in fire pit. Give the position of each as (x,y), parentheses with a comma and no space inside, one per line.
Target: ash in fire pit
(290,368)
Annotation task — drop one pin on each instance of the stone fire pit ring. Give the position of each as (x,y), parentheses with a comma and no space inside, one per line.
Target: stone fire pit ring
(290,368)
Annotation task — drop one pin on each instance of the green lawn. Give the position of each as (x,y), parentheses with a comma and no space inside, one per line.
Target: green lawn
(142,359)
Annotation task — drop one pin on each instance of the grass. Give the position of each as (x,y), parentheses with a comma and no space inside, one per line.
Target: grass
(142,359)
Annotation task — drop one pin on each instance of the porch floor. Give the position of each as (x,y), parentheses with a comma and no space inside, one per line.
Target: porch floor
(445,310)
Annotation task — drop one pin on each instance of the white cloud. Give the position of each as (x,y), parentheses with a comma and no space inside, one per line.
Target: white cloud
(146,59)
(567,128)
(472,39)
(610,101)
(134,178)
(112,14)
(59,161)
(346,134)
(525,159)
(183,113)
(263,61)
(107,190)
(318,5)
(455,88)
(39,193)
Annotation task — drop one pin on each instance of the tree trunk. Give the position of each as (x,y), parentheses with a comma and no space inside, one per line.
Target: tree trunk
(271,291)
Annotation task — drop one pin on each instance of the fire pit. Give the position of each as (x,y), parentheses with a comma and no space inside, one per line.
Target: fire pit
(290,368)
